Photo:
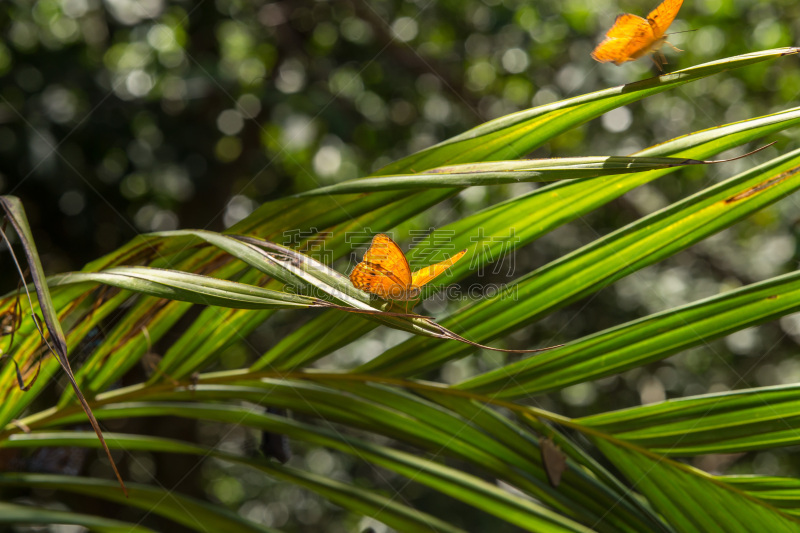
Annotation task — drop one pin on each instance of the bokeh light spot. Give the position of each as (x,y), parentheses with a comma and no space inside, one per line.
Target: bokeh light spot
(327,161)
(405,29)
(72,202)
(238,207)
(228,149)
(515,60)
(230,122)
(617,120)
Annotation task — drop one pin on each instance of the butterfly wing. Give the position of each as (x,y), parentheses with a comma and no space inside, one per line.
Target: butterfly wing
(625,25)
(424,275)
(661,17)
(628,35)
(383,271)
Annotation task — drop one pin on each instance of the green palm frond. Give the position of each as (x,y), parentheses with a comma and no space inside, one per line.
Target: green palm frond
(190,295)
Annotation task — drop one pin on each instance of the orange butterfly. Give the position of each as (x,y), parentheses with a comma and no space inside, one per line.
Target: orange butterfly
(631,37)
(384,271)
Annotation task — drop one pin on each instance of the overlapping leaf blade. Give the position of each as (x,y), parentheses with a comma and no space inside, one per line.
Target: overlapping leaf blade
(780,492)
(184,510)
(513,135)
(645,340)
(18,515)
(501,172)
(499,230)
(505,138)
(596,265)
(365,501)
(728,422)
(691,500)
(467,488)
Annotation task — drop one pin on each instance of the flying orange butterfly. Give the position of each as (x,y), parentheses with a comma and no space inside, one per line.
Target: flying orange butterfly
(385,271)
(632,37)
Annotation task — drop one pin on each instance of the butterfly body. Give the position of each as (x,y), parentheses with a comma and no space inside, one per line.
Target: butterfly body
(632,37)
(385,272)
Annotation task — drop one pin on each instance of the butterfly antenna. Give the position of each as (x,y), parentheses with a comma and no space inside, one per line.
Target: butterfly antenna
(675,33)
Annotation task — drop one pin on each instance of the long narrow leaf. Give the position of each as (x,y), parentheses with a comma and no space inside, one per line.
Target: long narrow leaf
(16,215)
(519,133)
(781,492)
(693,501)
(500,172)
(17,515)
(645,340)
(465,487)
(497,231)
(187,287)
(184,510)
(360,500)
(728,422)
(599,264)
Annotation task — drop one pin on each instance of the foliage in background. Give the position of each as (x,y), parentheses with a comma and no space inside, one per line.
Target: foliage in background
(150,105)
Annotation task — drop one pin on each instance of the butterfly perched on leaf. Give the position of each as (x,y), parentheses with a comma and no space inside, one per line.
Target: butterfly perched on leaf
(632,37)
(385,272)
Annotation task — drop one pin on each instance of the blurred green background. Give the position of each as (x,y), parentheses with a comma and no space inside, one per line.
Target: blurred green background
(119,117)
